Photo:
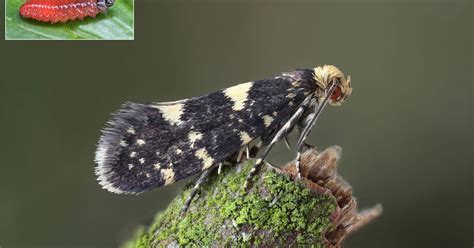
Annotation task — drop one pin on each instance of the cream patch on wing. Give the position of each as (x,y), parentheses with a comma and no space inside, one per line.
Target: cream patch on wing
(207,160)
(168,175)
(194,136)
(171,113)
(238,94)
(245,137)
(131,130)
(267,120)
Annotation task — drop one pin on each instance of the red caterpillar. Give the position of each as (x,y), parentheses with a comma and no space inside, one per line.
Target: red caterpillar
(63,10)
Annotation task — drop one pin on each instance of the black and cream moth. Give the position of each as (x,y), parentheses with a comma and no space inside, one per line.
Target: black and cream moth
(145,146)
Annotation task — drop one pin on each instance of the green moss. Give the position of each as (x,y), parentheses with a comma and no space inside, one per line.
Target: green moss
(276,206)
(140,239)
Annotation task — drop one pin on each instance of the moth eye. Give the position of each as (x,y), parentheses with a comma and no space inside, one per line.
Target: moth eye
(336,94)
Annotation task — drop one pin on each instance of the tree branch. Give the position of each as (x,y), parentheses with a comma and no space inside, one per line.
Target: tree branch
(278,210)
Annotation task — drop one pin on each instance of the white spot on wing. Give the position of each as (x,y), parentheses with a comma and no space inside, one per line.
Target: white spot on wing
(171,113)
(140,142)
(123,143)
(131,130)
(238,94)
(142,160)
(168,175)
(130,166)
(202,154)
(267,120)
(194,136)
(157,166)
(133,154)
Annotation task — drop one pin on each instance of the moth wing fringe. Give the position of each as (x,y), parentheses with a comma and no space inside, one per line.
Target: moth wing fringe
(129,115)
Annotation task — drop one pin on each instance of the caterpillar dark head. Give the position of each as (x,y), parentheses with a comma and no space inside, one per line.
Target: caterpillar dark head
(104,4)
(327,75)
(109,3)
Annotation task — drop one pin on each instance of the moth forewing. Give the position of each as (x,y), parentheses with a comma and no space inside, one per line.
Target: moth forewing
(150,145)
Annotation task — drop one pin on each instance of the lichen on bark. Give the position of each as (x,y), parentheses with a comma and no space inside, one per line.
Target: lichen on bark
(277,210)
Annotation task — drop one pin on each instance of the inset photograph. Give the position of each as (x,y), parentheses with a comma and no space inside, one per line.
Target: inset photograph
(69,19)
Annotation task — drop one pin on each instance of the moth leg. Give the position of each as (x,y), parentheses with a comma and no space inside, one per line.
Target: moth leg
(245,149)
(239,156)
(305,121)
(219,169)
(311,120)
(241,153)
(308,123)
(202,178)
(297,164)
(301,125)
(282,132)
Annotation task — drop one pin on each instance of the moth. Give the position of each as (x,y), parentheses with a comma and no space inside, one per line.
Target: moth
(63,10)
(149,145)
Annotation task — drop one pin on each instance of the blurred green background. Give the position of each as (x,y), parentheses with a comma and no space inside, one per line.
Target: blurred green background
(406,131)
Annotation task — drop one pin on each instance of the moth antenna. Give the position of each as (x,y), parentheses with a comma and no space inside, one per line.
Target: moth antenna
(282,132)
(318,109)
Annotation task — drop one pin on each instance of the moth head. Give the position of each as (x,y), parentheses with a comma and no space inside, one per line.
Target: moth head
(328,75)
